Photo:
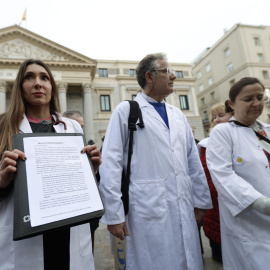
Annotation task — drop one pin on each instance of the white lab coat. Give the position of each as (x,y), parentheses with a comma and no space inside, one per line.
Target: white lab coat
(240,172)
(167,181)
(202,143)
(28,253)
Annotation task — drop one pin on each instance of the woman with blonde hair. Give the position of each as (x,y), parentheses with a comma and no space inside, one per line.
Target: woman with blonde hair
(220,113)
(34,107)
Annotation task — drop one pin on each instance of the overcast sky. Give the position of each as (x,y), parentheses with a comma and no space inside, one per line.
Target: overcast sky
(128,30)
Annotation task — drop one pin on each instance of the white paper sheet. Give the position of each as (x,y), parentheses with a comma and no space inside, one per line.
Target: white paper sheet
(60,181)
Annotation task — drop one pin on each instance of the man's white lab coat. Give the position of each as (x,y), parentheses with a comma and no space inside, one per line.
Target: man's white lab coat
(167,181)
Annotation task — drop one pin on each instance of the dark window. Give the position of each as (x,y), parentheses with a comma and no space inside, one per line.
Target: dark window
(205,115)
(232,82)
(179,74)
(132,72)
(133,97)
(105,104)
(184,102)
(103,72)
(265,74)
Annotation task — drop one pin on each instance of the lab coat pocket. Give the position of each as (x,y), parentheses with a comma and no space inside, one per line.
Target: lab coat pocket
(150,198)
(85,240)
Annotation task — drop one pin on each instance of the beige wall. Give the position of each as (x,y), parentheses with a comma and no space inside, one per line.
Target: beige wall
(245,59)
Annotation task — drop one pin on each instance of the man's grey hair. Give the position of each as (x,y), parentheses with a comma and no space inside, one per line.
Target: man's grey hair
(148,63)
(69,114)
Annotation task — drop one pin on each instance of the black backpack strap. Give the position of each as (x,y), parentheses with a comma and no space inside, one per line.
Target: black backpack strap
(134,114)
(257,134)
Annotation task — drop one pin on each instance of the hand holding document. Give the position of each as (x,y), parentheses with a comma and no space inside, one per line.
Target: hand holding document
(60,181)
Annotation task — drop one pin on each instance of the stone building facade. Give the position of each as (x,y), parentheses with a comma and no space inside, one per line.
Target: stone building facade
(243,51)
(94,87)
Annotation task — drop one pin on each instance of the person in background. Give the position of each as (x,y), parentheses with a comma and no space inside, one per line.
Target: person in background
(168,190)
(220,113)
(238,160)
(77,116)
(34,107)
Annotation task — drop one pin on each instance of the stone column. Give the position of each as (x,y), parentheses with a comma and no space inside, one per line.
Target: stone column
(123,92)
(88,113)
(3,90)
(195,103)
(62,91)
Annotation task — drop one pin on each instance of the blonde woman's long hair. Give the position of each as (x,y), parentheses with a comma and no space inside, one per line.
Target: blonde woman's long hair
(11,119)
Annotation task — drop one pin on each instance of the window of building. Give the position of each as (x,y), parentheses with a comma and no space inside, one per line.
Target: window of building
(208,68)
(179,74)
(260,57)
(227,52)
(203,101)
(201,87)
(210,81)
(132,72)
(257,41)
(133,97)
(205,115)
(265,74)
(199,75)
(213,95)
(232,82)
(103,72)
(184,102)
(105,104)
(230,67)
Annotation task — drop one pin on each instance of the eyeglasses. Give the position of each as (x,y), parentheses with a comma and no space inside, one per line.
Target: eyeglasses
(168,70)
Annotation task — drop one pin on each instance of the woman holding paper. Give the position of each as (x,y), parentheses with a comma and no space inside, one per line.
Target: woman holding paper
(34,107)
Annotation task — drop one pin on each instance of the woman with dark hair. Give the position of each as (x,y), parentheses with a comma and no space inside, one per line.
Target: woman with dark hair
(238,160)
(34,107)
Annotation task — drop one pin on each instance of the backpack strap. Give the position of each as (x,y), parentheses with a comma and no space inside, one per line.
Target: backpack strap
(134,114)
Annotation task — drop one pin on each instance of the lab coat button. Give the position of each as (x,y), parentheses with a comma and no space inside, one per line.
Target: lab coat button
(172,150)
(179,197)
(176,172)
(266,166)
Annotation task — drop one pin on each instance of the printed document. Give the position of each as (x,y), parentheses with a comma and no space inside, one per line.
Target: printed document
(60,180)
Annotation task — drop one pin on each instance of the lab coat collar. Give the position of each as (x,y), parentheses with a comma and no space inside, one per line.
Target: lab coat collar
(265,125)
(59,128)
(26,128)
(151,110)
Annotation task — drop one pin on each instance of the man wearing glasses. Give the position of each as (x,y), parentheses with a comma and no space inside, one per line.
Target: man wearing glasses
(168,190)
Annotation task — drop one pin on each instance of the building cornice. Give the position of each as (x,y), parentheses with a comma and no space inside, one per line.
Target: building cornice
(128,78)
(77,60)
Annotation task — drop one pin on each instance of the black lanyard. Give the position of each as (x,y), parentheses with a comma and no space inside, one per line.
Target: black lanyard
(258,134)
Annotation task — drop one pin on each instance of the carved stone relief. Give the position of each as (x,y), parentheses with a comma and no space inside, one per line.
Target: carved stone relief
(19,49)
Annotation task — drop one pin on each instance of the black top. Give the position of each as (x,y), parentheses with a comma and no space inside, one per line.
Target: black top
(55,244)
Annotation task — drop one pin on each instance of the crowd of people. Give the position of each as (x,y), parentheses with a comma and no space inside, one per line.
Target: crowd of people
(174,185)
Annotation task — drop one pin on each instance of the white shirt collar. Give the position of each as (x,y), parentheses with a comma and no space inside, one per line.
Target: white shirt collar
(149,99)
